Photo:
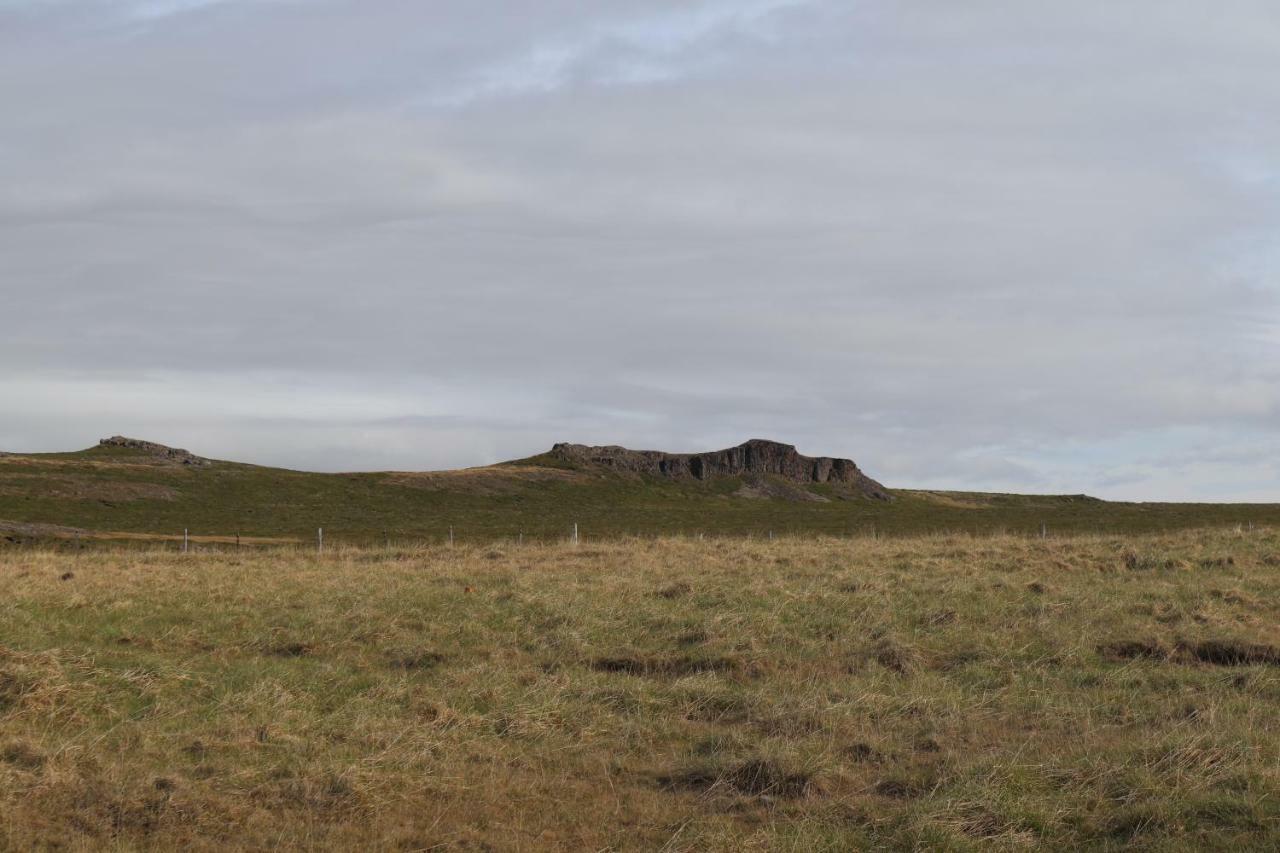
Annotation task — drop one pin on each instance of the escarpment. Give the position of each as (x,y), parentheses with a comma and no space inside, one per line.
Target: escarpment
(758,457)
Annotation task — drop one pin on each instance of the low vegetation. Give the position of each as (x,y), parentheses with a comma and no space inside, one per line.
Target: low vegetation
(934,692)
(124,493)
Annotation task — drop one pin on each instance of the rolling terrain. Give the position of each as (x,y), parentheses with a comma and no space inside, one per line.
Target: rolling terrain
(125,486)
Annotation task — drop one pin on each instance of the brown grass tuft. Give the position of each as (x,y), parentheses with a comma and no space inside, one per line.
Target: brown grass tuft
(757,777)
(1133,650)
(665,666)
(1231,653)
(22,754)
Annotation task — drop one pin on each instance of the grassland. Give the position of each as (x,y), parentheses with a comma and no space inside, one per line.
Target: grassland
(805,693)
(114,490)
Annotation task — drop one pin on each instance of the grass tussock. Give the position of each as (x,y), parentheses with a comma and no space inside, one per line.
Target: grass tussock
(941,692)
(665,666)
(756,777)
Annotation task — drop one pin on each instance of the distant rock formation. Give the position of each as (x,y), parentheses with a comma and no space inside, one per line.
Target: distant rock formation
(175,455)
(757,457)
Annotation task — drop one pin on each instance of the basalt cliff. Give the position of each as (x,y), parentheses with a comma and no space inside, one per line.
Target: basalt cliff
(755,458)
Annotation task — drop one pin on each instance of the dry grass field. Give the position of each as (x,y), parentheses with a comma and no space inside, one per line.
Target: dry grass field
(797,694)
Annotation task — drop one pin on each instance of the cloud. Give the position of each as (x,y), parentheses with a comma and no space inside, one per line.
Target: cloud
(164,8)
(145,10)
(656,47)
(973,246)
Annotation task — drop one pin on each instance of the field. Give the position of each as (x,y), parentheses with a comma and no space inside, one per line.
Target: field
(806,693)
(123,494)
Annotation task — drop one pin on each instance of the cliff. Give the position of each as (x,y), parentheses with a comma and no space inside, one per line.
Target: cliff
(757,457)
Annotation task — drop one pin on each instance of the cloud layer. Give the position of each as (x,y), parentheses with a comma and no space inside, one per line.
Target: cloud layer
(971,245)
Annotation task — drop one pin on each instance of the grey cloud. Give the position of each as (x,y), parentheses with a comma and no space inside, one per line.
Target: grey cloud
(966,244)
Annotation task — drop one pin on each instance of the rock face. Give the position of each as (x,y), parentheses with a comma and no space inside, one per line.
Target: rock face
(757,457)
(175,455)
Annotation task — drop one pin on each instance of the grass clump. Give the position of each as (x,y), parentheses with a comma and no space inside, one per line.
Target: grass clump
(755,777)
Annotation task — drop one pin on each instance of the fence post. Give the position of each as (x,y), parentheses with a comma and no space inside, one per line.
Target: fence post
(450,535)
(319,540)
(575,533)
(184,540)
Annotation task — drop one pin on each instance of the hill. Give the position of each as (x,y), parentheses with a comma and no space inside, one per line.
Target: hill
(129,486)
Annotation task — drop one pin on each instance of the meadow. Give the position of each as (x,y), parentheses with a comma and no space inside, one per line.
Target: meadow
(804,693)
(122,495)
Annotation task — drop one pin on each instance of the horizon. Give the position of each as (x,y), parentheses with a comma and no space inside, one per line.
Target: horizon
(984,248)
(908,487)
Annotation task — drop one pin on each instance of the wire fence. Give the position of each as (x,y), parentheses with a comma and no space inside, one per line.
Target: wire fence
(325,541)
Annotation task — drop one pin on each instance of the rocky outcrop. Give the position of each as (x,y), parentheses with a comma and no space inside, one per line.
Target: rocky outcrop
(757,457)
(175,455)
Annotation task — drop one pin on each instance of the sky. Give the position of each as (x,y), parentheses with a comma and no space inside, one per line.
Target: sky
(990,245)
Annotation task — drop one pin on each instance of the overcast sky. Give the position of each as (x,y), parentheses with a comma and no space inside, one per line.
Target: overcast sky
(992,245)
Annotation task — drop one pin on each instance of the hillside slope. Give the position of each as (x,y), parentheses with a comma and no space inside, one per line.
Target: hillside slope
(125,485)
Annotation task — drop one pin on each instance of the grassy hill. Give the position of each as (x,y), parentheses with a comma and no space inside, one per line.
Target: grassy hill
(139,491)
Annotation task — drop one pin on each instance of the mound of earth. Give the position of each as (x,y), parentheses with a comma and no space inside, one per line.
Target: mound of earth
(162,452)
(755,458)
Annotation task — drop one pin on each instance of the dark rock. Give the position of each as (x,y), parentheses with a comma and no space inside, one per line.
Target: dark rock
(757,457)
(171,454)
